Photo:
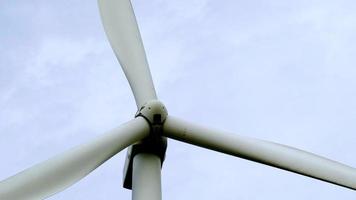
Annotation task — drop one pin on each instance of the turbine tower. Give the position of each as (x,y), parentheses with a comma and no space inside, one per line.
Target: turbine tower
(146,135)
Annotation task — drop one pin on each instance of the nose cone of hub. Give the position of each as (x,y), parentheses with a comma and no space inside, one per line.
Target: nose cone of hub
(153,111)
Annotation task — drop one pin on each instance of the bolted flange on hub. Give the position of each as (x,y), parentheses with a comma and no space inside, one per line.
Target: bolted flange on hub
(155,114)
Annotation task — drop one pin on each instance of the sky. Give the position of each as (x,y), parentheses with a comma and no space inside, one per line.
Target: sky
(278,70)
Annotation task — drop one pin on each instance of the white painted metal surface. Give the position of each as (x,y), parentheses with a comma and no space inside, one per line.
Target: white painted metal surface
(60,172)
(146,177)
(269,153)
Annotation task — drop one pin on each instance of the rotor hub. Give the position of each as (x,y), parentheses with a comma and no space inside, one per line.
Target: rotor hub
(154,112)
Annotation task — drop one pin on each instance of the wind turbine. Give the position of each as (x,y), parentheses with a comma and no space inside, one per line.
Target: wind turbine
(152,122)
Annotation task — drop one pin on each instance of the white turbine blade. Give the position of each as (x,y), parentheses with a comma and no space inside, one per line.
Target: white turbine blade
(121,28)
(269,153)
(58,173)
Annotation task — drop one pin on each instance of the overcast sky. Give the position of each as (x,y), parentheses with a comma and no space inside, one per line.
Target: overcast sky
(283,71)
